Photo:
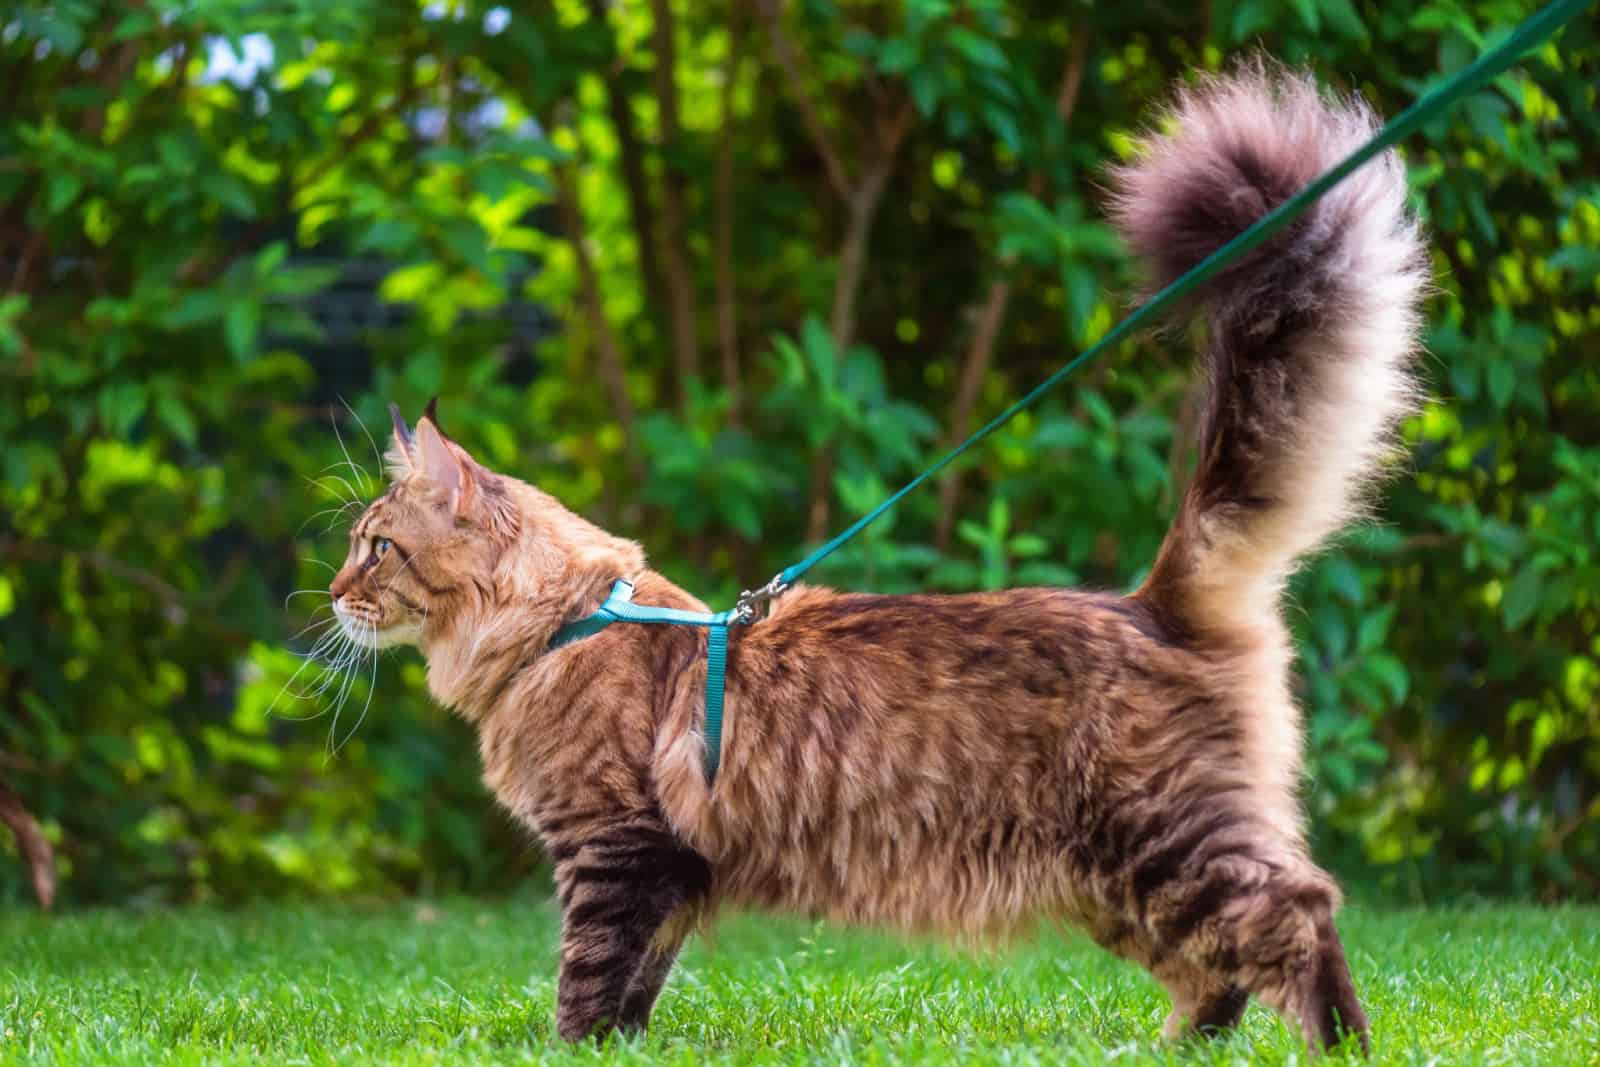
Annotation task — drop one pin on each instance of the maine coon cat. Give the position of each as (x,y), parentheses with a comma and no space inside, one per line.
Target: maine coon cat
(970,763)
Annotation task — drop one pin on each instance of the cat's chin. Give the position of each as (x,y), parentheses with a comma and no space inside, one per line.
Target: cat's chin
(359,633)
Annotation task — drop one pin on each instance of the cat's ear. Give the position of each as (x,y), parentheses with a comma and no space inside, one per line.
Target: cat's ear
(401,446)
(433,456)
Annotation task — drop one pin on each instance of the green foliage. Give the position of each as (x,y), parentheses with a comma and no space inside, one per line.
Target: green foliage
(789,309)
(475,980)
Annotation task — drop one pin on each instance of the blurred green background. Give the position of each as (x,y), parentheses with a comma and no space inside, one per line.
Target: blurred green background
(720,276)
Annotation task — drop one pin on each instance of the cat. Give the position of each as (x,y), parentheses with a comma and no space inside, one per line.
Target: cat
(964,764)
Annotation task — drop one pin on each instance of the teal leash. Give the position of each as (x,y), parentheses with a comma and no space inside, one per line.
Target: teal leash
(1469,79)
(619,606)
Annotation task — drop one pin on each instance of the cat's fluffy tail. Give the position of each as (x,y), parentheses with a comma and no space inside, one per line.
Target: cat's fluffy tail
(1311,335)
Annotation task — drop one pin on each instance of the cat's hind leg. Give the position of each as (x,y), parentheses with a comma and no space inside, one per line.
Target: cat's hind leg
(1204,1004)
(1265,922)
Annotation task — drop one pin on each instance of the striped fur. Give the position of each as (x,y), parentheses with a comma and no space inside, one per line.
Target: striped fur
(963,764)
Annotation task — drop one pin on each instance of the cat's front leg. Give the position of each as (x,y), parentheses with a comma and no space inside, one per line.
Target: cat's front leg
(640,998)
(617,889)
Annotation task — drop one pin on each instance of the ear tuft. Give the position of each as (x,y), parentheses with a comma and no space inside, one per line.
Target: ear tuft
(402,434)
(402,447)
(431,412)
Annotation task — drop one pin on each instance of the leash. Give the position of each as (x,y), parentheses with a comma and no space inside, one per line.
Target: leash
(752,603)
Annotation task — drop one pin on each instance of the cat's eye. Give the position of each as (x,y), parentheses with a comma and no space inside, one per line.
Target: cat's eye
(380,548)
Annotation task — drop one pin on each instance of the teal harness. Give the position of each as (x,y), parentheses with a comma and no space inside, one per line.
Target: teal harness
(619,606)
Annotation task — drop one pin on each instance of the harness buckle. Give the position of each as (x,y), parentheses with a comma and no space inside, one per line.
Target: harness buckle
(752,604)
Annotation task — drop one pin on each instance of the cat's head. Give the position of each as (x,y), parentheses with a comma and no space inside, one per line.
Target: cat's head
(451,537)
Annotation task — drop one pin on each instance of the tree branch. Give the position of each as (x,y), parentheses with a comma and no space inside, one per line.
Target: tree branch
(170,594)
(992,316)
(634,182)
(674,201)
(727,295)
(608,354)
(861,200)
(33,845)
(863,204)
(771,12)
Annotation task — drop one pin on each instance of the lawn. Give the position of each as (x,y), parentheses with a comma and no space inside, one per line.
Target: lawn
(474,981)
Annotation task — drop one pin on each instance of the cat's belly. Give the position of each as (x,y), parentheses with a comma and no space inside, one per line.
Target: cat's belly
(980,879)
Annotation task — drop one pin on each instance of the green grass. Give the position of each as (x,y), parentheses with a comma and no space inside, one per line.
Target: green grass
(475,982)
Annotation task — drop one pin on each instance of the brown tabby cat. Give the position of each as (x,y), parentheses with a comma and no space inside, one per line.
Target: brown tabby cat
(963,763)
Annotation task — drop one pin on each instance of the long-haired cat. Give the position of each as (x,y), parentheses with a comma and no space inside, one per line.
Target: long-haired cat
(964,764)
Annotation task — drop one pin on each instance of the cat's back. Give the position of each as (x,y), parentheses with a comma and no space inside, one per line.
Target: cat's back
(1031,645)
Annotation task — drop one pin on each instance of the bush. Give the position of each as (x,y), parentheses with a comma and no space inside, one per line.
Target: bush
(788,255)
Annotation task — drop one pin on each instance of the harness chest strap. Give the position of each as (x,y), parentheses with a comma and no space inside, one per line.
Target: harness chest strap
(619,607)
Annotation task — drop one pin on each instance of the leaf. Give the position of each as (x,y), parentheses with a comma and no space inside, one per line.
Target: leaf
(1004,126)
(898,56)
(924,90)
(176,418)
(1307,10)
(972,533)
(1345,21)
(1502,380)
(1390,673)
(1145,426)
(239,327)
(120,406)
(1345,578)
(1083,290)
(1248,17)
(1332,634)
(1027,546)
(1099,411)
(1521,597)
(64,35)
(64,189)
(1374,628)
(817,344)
(978,50)
(231,193)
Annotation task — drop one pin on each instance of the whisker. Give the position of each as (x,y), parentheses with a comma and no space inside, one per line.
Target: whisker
(326,530)
(376,455)
(340,698)
(361,475)
(334,671)
(321,563)
(324,642)
(372,687)
(314,624)
(333,667)
(350,496)
(336,512)
(323,478)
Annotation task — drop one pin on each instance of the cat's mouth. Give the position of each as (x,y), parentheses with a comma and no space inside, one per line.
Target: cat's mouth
(363,625)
